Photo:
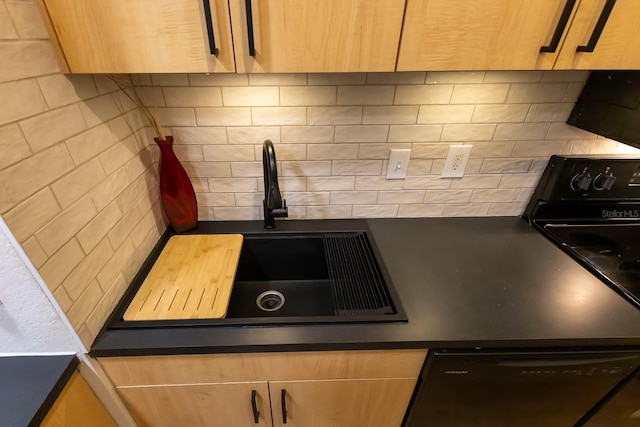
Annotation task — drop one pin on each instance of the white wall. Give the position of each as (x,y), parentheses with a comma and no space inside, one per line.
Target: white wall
(29,323)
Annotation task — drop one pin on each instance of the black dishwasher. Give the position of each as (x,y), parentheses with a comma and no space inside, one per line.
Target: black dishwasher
(524,389)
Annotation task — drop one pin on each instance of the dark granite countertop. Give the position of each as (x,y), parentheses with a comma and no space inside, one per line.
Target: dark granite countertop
(491,282)
(30,385)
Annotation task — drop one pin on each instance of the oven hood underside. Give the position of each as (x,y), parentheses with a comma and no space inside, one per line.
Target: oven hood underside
(610,106)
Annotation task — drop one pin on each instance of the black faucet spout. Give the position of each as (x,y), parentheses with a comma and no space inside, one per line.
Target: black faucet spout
(274,205)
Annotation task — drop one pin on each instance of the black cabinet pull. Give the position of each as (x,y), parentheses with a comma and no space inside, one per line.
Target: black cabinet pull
(207,18)
(254,407)
(562,24)
(283,402)
(252,47)
(597,31)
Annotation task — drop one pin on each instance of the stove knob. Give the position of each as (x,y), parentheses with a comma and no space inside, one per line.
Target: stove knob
(581,182)
(603,181)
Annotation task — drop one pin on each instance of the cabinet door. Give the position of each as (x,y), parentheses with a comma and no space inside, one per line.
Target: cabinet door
(340,403)
(142,36)
(197,405)
(77,405)
(619,44)
(316,36)
(479,34)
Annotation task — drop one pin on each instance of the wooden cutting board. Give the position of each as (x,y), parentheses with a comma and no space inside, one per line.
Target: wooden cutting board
(191,279)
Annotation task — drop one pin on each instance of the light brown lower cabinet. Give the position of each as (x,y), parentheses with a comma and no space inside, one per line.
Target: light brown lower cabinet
(333,389)
(77,405)
(195,405)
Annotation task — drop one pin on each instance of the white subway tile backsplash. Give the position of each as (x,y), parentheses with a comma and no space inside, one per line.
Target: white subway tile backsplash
(330,183)
(400,197)
(512,76)
(430,151)
(506,209)
(253,96)
(229,153)
(308,95)
(309,198)
(78,182)
(420,210)
(46,129)
(192,96)
(466,210)
(219,79)
(208,169)
(479,93)
(368,133)
(277,79)
(391,115)
(223,116)
(99,226)
(205,136)
(13,146)
(353,197)
(519,180)
(543,148)
(329,212)
(21,99)
(565,131)
(549,112)
(494,195)
(590,146)
(505,165)
(500,113)
(419,167)
(65,89)
(379,151)
(285,151)
(23,59)
(521,131)
(281,116)
(101,109)
(405,78)
(448,196)
(246,169)
(363,95)
(445,113)
(378,183)
(247,199)
(62,263)
(337,79)
(573,92)
(7,29)
(332,151)
(334,115)
(253,135)
(307,134)
(468,132)
(356,167)
(423,94)
(536,92)
(425,183)
(476,181)
(414,133)
(442,77)
(306,168)
(170,79)
(375,211)
(32,214)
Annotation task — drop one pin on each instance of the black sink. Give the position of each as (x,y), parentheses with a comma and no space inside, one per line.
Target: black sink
(296,278)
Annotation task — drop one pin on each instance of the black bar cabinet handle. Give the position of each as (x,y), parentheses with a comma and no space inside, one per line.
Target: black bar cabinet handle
(207,18)
(562,24)
(283,402)
(252,47)
(254,407)
(597,31)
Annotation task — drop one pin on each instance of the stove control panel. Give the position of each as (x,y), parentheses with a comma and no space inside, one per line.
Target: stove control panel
(596,179)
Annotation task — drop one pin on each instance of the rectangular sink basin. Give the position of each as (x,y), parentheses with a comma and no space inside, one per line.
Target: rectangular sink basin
(300,278)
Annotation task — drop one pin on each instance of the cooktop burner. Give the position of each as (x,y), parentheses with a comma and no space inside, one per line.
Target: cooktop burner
(591,208)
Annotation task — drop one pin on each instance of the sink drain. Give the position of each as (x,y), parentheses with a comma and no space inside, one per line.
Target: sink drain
(270,301)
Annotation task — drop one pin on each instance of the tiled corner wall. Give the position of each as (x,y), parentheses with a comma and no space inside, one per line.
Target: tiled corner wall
(77,184)
(333,133)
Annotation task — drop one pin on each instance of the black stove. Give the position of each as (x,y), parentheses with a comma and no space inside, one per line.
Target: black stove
(590,207)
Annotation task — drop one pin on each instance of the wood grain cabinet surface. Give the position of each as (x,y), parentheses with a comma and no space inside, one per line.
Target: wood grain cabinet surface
(300,36)
(77,405)
(519,35)
(312,388)
(140,36)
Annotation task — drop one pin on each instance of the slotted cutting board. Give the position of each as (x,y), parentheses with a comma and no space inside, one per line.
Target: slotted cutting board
(191,279)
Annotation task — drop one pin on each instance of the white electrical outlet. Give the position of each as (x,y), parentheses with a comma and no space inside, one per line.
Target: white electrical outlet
(456,161)
(398,164)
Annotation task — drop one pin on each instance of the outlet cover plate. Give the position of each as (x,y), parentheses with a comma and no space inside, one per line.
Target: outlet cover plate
(398,163)
(456,161)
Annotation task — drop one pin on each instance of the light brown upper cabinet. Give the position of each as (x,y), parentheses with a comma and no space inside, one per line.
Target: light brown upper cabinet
(140,36)
(605,34)
(297,36)
(482,34)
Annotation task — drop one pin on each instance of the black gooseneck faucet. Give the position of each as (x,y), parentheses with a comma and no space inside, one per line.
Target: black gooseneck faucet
(273,204)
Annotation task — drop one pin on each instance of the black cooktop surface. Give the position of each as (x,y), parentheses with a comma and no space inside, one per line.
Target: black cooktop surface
(611,251)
